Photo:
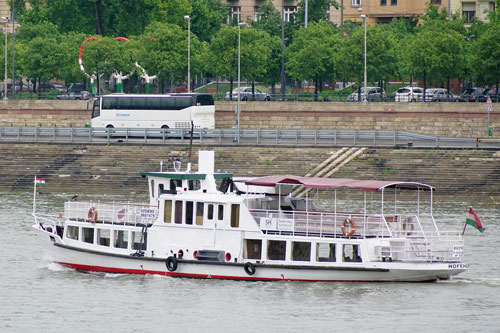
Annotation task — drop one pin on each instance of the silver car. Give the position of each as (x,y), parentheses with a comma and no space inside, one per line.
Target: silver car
(374,94)
(246,95)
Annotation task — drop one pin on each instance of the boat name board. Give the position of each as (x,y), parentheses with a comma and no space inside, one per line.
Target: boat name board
(274,223)
(148,215)
(458,251)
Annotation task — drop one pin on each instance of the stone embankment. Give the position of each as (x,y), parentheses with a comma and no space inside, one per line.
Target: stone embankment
(439,119)
(465,175)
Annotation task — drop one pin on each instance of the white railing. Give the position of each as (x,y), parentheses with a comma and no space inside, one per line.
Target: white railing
(112,213)
(321,224)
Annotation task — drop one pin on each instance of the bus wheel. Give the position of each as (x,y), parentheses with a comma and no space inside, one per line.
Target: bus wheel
(165,132)
(110,126)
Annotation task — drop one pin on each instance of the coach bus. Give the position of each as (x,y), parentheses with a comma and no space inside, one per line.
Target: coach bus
(154,111)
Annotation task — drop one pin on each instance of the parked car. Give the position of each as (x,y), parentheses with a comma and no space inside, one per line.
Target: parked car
(374,94)
(75,95)
(491,93)
(409,94)
(246,95)
(471,95)
(439,95)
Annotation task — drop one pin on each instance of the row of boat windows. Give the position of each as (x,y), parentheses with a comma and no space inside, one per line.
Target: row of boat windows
(192,212)
(122,239)
(302,251)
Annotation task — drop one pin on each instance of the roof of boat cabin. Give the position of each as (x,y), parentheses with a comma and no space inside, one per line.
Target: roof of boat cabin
(185,175)
(331,183)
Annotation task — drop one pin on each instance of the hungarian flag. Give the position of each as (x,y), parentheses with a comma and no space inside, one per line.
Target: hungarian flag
(474,221)
(39,182)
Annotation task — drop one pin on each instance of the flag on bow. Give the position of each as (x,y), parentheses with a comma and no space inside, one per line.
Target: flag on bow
(474,221)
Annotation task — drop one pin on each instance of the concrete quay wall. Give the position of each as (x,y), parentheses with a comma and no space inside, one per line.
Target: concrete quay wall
(458,175)
(440,119)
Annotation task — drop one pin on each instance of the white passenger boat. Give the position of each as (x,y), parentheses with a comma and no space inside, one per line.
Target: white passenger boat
(205,225)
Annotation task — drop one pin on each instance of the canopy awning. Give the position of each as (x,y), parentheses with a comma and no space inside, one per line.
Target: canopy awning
(332,183)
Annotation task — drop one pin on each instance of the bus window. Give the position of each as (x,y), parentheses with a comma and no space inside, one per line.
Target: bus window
(96,109)
(138,103)
(124,103)
(108,103)
(183,102)
(153,103)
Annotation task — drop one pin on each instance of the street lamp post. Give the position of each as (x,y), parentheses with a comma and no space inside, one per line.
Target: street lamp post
(187,18)
(364,72)
(13,51)
(305,15)
(239,73)
(6,20)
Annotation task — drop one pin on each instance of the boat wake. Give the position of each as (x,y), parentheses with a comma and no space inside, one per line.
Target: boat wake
(492,282)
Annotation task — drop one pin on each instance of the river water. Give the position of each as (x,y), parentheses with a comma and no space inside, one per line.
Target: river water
(38,296)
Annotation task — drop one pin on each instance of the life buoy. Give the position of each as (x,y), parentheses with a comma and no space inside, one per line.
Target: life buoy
(92,214)
(171,264)
(180,254)
(249,268)
(228,256)
(352,227)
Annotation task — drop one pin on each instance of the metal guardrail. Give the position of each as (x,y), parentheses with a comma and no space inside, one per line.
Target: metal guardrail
(375,138)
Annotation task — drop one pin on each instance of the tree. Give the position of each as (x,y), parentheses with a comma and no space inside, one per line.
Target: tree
(317,10)
(313,53)
(207,17)
(269,19)
(486,55)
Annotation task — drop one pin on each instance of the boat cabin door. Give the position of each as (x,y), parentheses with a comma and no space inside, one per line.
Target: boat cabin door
(214,214)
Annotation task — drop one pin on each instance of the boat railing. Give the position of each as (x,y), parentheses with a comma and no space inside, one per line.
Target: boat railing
(110,212)
(322,224)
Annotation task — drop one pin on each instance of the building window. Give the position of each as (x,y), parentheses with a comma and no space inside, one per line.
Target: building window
(394,2)
(257,13)
(383,2)
(325,252)
(301,251)
(468,11)
(355,3)
(253,248)
(121,239)
(276,250)
(436,2)
(290,13)
(491,6)
(235,14)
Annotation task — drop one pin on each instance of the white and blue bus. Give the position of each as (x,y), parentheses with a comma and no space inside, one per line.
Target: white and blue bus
(154,111)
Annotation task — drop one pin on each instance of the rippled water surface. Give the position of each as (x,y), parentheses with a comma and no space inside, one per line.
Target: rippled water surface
(37,296)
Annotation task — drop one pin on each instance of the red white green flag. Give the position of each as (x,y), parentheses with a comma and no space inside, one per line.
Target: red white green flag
(474,220)
(39,182)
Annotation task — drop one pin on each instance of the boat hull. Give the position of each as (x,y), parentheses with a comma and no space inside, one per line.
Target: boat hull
(89,260)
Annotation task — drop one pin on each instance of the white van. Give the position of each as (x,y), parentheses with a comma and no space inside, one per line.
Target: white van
(409,94)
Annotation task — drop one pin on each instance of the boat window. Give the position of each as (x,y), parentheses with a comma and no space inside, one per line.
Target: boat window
(72,232)
(189,212)
(301,251)
(178,212)
(325,252)
(121,239)
(351,253)
(88,235)
(276,250)
(138,240)
(199,213)
(220,215)
(194,185)
(235,215)
(103,236)
(167,214)
(253,248)
(210,213)
(152,188)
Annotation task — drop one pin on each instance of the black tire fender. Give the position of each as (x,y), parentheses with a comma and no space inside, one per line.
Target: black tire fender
(249,268)
(171,264)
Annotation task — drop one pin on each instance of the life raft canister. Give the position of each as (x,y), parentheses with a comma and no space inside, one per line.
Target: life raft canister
(352,227)
(92,215)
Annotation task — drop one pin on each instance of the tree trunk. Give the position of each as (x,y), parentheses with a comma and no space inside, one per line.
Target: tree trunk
(253,90)
(231,89)
(97,18)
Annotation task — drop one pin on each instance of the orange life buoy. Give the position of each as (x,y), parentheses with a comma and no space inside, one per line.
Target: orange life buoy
(352,227)
(92,215)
